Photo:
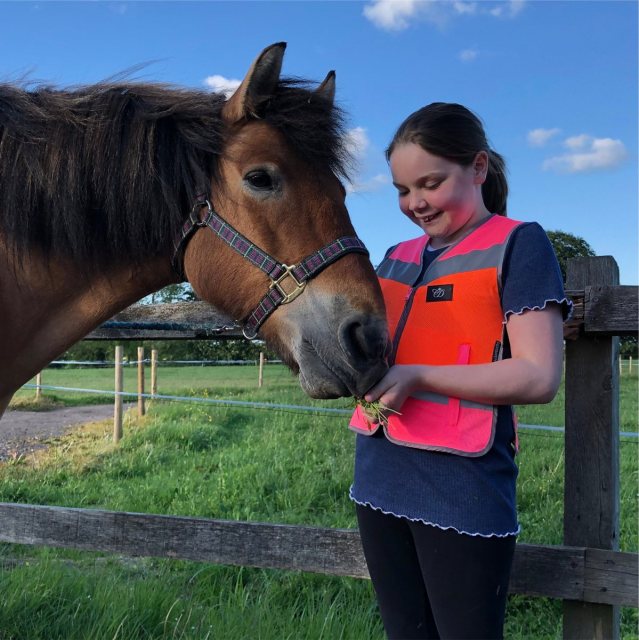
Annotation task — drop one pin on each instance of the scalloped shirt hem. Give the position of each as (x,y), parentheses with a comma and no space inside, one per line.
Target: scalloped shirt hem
(434,524)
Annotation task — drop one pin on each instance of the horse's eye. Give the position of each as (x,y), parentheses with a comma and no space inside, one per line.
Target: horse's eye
(260,180)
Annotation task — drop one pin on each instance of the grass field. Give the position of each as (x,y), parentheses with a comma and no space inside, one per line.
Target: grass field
(245,464)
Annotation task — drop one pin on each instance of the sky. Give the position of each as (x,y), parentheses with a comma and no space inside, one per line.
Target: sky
(555,83)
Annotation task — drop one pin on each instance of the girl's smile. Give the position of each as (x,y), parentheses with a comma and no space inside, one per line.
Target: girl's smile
(442,197)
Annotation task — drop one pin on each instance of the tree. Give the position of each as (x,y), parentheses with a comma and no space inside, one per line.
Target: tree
(181,292)
(567,246)
(628,347)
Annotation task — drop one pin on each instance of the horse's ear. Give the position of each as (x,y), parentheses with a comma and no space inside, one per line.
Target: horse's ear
(258,84)
(327,88)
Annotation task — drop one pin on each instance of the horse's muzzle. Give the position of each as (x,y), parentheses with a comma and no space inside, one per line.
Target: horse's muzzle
(356,360)
(364,340)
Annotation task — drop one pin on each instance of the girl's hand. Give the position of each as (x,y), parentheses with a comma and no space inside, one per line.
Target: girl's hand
(398,383)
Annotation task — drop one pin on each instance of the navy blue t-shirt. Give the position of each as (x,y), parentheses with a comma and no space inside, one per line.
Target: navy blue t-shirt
(476,496)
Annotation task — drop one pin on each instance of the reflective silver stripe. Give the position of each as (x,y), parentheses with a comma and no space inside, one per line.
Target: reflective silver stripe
(407,273)
(472,261)
(458,452)
(404,272)
(429,396)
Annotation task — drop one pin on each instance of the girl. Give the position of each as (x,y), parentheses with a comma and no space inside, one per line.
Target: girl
(475,307)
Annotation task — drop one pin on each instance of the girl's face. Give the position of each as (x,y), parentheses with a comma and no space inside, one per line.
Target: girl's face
(441,197)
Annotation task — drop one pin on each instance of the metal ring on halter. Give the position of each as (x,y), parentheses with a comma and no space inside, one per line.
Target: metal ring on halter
(251,337)
(194,216)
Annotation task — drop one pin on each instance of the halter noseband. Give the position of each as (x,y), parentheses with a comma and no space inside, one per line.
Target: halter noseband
(287,281)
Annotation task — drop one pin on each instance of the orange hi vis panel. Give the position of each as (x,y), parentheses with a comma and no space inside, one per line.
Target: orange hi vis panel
(448,313)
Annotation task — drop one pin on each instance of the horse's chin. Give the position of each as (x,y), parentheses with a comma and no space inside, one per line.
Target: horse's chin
(327,372)
(320,383)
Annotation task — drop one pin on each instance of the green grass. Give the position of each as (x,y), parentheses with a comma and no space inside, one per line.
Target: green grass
(240,382)
(220,462)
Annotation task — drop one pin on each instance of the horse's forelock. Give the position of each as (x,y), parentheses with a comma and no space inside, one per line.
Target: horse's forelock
(312,124)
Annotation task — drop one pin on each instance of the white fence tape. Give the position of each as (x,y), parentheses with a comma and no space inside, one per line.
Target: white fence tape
(263,405)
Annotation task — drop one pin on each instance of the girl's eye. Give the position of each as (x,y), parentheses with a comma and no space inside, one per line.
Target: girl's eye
(432,185)
(260,180)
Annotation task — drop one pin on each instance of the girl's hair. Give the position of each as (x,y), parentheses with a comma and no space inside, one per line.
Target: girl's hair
(453,132)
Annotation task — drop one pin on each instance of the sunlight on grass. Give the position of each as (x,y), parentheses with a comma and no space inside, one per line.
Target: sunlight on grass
(230,463)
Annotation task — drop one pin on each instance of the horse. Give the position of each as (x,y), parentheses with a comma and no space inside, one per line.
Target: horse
(112,191)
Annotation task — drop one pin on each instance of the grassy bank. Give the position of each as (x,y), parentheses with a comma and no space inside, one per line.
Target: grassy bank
(270,466)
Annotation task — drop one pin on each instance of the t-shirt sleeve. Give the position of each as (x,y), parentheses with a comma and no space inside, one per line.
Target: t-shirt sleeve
(531,277)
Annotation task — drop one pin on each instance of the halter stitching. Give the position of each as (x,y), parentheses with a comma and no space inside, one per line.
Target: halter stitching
(306,269)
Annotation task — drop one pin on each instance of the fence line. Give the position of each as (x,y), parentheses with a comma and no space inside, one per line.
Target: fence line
(571,573)
(268,405)
(111,363)
(626,365)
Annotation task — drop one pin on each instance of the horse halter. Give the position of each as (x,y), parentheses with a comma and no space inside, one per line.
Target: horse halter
(287,281)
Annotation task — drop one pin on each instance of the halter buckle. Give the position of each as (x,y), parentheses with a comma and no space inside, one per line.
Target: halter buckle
(288,296)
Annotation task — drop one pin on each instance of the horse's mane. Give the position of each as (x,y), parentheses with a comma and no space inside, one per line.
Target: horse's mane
(100,172)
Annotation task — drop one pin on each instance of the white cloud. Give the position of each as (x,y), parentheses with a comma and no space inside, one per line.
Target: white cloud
(468,55)
(465,7)
(590,154)
(392,15)
(372,184)
(220,84)
(357,142)
(578,142)
(396,15)
(539,137)
(508,9)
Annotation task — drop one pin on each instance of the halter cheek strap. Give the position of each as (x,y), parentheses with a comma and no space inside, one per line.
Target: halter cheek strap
(287,281)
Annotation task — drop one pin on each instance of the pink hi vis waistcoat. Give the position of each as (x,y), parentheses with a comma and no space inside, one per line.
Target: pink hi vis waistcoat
(448,314)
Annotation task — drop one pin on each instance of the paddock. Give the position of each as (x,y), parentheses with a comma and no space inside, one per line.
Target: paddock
(587,572)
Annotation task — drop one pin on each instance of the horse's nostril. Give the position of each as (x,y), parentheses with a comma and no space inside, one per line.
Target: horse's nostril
(363,338)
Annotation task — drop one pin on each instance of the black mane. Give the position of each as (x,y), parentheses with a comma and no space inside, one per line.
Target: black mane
(108,171)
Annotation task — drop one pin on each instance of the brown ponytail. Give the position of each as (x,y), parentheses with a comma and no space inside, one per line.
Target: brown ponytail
(495,189)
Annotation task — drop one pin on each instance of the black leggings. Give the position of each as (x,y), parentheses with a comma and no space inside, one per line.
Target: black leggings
(434,583)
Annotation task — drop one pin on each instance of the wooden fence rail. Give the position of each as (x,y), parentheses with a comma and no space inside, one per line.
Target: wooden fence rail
(170,321)
(588,573)
(574,573)
(602,310)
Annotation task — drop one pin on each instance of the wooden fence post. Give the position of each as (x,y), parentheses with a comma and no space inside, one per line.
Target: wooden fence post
(117,411)
(38,395)
(591,493)
(140,381)
(154,372)
(260,377)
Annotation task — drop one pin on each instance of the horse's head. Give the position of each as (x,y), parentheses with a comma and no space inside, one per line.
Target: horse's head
(277,185)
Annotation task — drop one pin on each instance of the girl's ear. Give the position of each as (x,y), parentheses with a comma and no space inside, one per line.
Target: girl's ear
(480,167)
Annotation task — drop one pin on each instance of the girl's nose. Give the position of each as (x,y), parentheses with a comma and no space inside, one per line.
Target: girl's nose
(417,203)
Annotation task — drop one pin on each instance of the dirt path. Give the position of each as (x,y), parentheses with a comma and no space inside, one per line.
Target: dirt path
(24,431)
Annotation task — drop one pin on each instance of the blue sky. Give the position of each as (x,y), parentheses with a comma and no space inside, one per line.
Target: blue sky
(555,83)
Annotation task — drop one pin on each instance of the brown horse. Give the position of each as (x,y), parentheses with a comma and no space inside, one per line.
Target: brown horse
(96,186)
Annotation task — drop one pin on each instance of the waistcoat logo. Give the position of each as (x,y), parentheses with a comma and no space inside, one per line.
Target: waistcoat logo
(439,293)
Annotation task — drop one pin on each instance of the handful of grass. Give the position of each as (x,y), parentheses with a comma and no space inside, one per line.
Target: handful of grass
(377,412)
